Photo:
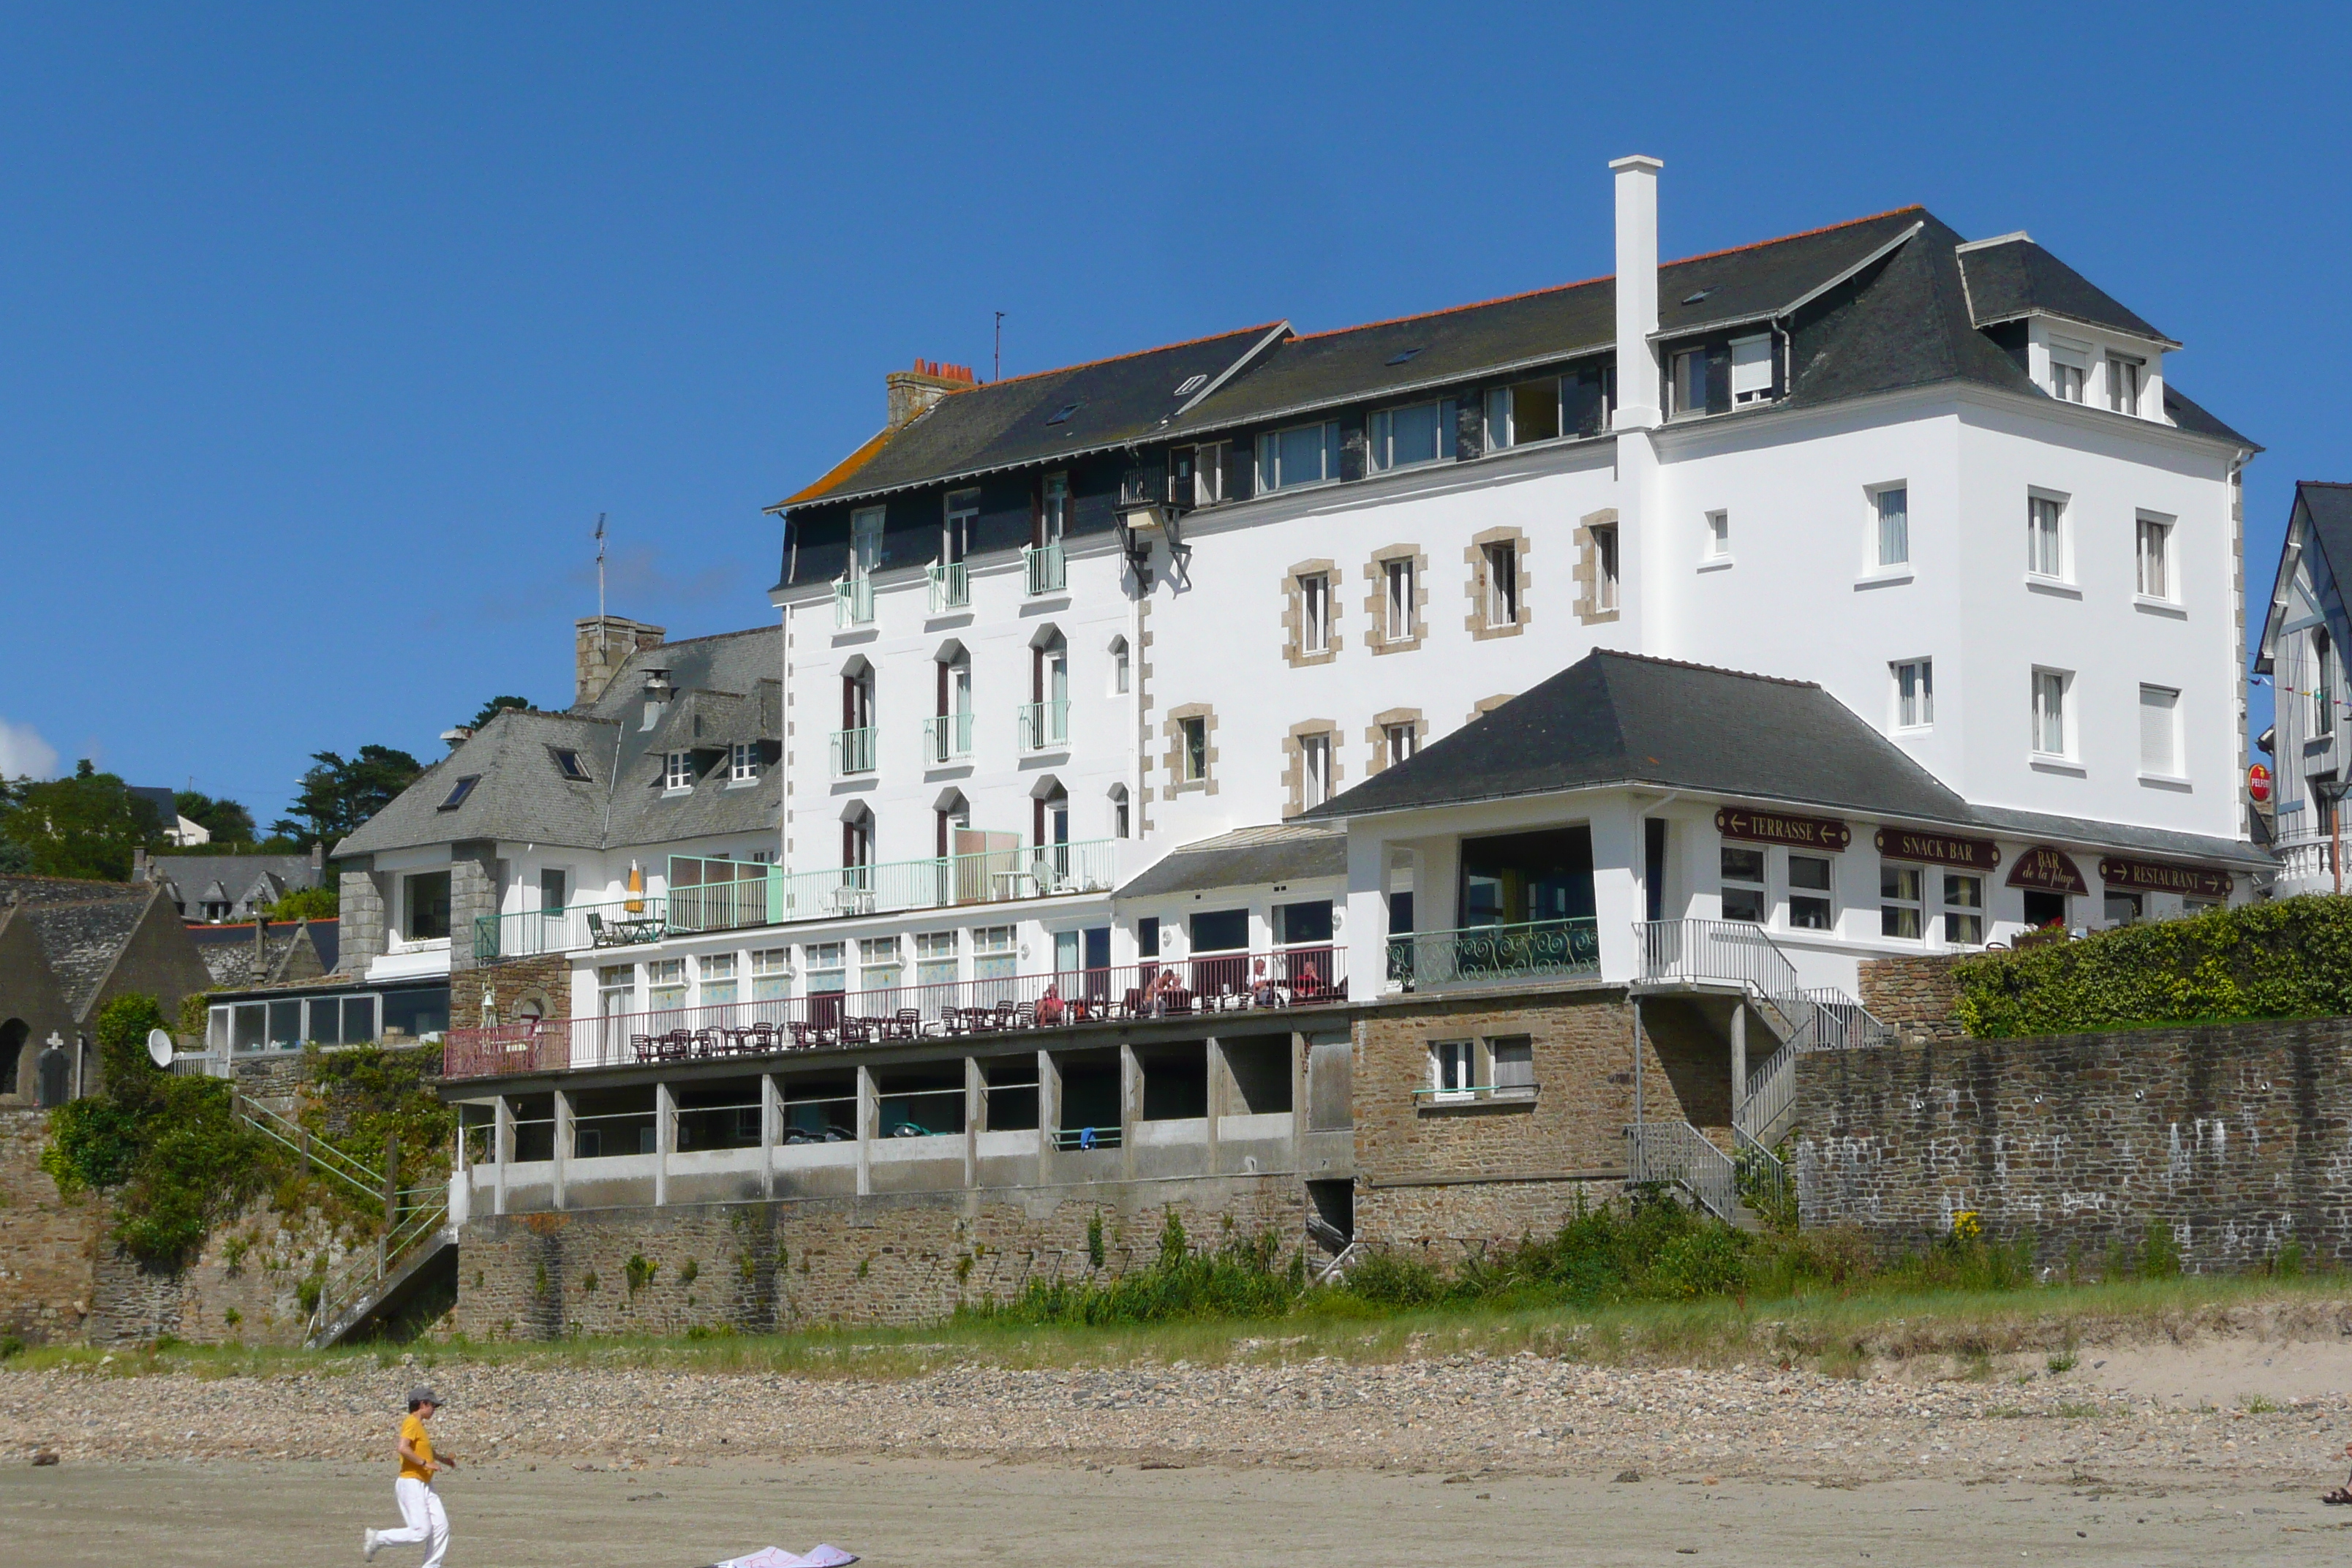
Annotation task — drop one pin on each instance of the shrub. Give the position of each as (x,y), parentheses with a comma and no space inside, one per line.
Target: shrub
(640,1270)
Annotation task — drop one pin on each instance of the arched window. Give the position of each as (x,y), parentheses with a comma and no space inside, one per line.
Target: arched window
(54,1073)
(1121,819)
(1121,676)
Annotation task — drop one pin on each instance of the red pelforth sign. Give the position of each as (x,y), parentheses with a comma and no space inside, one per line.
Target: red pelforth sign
(2150,876)
(1771,828)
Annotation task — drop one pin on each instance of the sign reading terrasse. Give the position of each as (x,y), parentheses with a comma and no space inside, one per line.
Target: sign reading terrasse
(1772,827)
(2150,876)
(2047,871)
(1938,849)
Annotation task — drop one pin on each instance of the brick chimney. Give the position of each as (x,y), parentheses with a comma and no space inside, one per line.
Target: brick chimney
(603,644)
(913,392)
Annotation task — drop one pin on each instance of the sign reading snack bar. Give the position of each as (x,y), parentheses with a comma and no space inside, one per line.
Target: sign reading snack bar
(2047,871)
(1771,828)
(2148,876)
(1936,849)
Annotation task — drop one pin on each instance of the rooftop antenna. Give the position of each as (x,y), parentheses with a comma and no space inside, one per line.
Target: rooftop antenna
(997,374)
(604,628)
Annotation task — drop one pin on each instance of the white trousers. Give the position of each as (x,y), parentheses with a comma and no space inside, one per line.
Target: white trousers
(427,1524)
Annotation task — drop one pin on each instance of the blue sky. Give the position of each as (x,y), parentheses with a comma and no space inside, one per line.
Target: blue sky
(328,330)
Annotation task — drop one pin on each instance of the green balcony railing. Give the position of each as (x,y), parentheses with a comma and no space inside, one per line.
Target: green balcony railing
(620,923)
(724,895)
(950,587)
(1044,725)
(853,751)
(1043,569)
(853,600)
(946,738)
(1496,954)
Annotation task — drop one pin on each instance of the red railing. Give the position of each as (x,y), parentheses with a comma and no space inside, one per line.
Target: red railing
(1211,983)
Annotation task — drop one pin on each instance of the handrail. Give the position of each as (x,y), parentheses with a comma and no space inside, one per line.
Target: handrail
(950,584)
(1491,955)
(1045,724)
(947,738)
(1736,951)
(528,934)
(301,1141)
(1678,1152)
(853,751)
(853,600)
(1044,568)
(339,1291)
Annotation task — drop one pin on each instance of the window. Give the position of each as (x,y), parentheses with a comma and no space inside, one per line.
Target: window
(1396,582)
(1196,475)
(1194,733)
(617,988)
(665,983)
(2323,684)
(2045,536)
(1220,931)
(1502,583)
(459,791)
(1519,414)
(1515,1064)
(1054,509)
(935,958)
(2160,732)
(568,764)
(1398,743)
(865,540)
(772,974)
(1812,906)
(1687,386)
(2154,558)
(1121,820)
(1891,504)
(826,969)
(2122,909)
(677,770)
(877,963)
(425,897)
(955,533)
(1315,612)
(1303,455)
(1315,769)
(1743,884)
(551,889)
(1303,924)
(1752,370)
(1421,434)
(1453,1067)
(2050,712)
(1963,910)
(2069,367)
(1147,937)
(1120,667)
(1719,535)
(1900,892)
(1914,693)
(715,975)
(743,762)
(2124,373)
(1604,552)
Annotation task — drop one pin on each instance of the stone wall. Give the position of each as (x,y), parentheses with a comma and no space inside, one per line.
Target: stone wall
(243,1288)
(46,1242)
(1914,996)
(757,1267)
(545,978)
(2235,1138)
(361,910)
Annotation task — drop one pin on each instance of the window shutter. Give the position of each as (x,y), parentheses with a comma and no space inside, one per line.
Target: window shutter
(1239,481)
(1718,378)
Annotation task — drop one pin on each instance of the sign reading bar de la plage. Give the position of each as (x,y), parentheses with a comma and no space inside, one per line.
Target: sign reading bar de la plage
(2046,869)
(1936,849)
(2151,877)
(1774,828)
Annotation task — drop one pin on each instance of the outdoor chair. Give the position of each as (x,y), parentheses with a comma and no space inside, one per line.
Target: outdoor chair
(760,1038)
(643,1048)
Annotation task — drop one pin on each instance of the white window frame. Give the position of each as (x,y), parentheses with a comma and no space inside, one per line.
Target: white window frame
(2051,689)
(1827,895)
(1915,692)
(2049,541)
(1502,598)
(1315,750)
(1718,536)
(1889,549)
(1314,611)
(1269,458)
(1121,667)
(1397,575)
(826,961)
(1192,761)
(718,970)
(959,512)
(1457,1061)
(1400,742)
(665,984)
(677,772)
(1756,350)
(2126,377)
(1502,414)
(743,762)
(1894,903)
(938,960)
(1679,406)
(1954,913)
(1607,565)
(1054,508)
(866,540)
(2070,372)
(2168,706)
(2152,558)
(1383,435)
(1761,884)
(772,974)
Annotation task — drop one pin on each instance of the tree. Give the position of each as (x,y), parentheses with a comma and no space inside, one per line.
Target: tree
(320,903)
(85,826)
(225,820)
(337,795)
(496,706)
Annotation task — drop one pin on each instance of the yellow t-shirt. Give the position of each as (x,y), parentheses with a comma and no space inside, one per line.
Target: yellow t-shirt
(413,1430)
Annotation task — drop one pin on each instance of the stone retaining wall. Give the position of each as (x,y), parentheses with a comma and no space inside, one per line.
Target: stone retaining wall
(1914,996)
(46,1242)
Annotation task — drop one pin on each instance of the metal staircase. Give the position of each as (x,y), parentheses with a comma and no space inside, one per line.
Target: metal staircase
(1741,960)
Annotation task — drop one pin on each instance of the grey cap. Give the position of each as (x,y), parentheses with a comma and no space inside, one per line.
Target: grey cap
(421,1394)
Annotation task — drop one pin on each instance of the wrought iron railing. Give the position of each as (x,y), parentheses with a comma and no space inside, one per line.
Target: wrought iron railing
(1496,954)
(853,751)
(951,584)
(1044,725)
(947,738)
(853,600)
(1043,569)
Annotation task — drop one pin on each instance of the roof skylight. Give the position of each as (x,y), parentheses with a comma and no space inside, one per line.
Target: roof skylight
(459,791)
(1694,298)
(1402,357)
(1062,415)
(568,764)
(1192,384)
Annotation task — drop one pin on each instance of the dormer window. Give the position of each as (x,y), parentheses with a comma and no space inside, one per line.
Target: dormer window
(459,791)
(1421,434)
(2070,369)
(2125,374)
(1302,455)
(743,762)
(1752,370)
(1687,384)
(568,764)
(677,770)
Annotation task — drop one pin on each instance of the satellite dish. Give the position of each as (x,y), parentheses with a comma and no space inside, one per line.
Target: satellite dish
(159,1047)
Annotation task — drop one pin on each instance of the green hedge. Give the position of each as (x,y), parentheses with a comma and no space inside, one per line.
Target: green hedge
(2289,958)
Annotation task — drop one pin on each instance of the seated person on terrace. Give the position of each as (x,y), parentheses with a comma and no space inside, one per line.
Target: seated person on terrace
(1263,993)
(1050,1009)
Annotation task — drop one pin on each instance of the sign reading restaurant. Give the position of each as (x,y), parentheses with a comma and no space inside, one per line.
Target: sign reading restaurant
(1936,849)
(2151,877)
(1774,827)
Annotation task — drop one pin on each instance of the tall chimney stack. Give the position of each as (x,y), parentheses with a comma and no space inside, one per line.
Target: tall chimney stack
(601,645)
(913,392)
(1637,292)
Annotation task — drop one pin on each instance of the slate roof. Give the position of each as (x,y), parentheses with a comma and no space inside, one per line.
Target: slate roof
(83,926)
(1247,858)
(726,689)
(1621,718)
(2325,510)
(2013,277)
(233,957)
(1886,303)
(191,881)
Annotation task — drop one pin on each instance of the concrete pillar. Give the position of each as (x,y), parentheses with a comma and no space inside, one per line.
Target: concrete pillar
(975,1107)
(866,1109)
(501,1149)
(1130,1106)
(665,1140)
(1220,1090)
(771,1128)
(1049,1115)
(1299,1087)
(561,1154)
(1738,1057)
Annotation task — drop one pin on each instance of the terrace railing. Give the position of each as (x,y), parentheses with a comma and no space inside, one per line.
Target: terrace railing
(951,585)
(1044,725)
(1043,569)
(1495,954)
(853,600)
(853,751)
(946,738)
(623,923)
(1214,985)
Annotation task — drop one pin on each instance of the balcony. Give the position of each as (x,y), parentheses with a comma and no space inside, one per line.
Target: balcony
(727,895)
(950,587)
(853,600)
(1044,570)
(1213,986)
(946,738)
(1046,726)
(1495,955)
(2308,867)
(853,751)
(622,923)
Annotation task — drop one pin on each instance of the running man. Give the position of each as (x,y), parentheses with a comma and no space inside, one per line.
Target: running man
(427,1525)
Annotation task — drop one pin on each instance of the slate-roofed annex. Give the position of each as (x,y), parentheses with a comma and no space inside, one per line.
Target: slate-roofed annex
(1876,305)
(725,690)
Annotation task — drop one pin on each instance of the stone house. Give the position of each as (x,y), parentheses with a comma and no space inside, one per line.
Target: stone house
(67,948)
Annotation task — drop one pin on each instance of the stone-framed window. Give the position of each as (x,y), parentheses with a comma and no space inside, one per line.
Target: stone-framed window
(1394,735)
(1486,705)
(1190,733)
(1310,765)
(1499,581)
(1397,609)
(1310,616)
(1598,565)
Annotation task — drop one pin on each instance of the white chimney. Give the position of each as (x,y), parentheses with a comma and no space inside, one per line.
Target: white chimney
(1637,292)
